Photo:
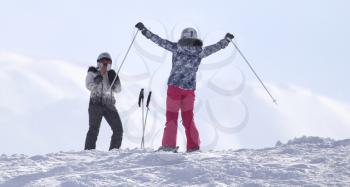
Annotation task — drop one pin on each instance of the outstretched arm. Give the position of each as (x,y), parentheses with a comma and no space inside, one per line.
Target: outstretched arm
(211,49)
(166,44)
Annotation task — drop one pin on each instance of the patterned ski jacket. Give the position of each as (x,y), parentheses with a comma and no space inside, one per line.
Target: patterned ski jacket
(100,93)
(187,56)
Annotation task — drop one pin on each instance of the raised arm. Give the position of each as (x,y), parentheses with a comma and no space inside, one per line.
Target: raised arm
(211,49)
(92,80)
(166,44)
(117,87)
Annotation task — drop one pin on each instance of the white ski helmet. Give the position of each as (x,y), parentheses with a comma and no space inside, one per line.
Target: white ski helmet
(189,33)
(104,55)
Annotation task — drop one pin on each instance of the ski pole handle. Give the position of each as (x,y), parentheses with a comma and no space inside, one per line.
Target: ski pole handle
(148,99)
(141,96)
(229,36)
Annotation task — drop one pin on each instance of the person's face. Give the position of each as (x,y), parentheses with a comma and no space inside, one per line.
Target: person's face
(105,61)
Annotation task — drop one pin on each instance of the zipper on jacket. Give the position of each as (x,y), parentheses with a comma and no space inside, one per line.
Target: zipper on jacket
(101,91)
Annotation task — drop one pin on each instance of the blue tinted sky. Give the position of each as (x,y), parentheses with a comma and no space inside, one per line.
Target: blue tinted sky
(293,41)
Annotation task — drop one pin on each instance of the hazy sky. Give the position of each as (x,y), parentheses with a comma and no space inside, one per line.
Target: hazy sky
(290,43)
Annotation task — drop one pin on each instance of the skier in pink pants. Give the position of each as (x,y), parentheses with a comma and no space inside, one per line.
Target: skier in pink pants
(187,55)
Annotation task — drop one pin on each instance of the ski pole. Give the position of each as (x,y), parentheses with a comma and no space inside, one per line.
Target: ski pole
(127,52)
(141,98)
(144,127)
(256,75)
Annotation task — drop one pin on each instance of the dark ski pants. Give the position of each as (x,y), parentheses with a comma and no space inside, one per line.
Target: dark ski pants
(110,113)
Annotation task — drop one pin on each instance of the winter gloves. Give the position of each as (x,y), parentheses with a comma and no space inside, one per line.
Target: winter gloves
(140,26)
(92,69)
(98,79)
(229,36)
(111,76)
(226,41)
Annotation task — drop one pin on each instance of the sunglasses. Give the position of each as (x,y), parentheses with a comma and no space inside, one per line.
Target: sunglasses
(105,61)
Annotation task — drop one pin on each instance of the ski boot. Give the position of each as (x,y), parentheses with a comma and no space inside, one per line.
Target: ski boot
(168,149)
(195,149)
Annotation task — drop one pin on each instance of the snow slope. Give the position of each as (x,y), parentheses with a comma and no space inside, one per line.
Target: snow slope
(306,161)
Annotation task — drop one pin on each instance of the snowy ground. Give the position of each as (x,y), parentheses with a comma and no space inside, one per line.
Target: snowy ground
(306,161)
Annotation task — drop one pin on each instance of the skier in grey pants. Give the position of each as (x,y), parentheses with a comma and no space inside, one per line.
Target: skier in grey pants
(102,101)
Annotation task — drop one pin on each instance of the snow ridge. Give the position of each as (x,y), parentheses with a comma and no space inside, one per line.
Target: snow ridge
(305,161)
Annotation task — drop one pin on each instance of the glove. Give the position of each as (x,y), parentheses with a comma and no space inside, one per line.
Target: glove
(98,79)
(229,36)
(92,69)
(111,76)
(140,26)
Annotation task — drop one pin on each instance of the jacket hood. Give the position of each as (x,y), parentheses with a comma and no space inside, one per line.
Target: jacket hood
(190,42)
